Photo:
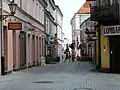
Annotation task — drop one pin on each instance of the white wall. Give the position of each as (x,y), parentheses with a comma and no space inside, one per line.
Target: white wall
(47,25)
(50,9)
(59,32)
(50,26)
(59,18)
(77,21)
(83,17)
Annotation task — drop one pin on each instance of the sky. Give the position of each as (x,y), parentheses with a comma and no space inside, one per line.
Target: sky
(68,8)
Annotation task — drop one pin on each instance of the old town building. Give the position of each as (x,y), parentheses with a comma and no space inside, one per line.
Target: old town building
(23,48)
(51,27)
(78,18)
(107,32)
(59,18)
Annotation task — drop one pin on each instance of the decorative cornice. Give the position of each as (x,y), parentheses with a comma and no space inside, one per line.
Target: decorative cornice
(43,2)
(49,15)
(58,8)
(52,4)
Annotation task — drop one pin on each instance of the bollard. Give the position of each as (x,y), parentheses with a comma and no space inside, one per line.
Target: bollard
(42,61)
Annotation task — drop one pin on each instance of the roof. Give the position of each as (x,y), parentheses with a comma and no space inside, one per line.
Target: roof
(85,9)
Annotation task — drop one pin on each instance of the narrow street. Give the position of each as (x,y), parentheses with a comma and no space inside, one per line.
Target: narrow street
(61,76)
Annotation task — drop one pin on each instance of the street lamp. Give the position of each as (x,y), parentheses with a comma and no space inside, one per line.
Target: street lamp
(12,7)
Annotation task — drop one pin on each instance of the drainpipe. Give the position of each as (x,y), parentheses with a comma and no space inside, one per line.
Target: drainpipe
(99,42)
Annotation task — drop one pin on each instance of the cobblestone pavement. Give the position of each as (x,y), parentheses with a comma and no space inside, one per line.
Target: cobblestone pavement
(61,76)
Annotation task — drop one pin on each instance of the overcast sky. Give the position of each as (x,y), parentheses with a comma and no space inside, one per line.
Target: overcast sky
(68,8)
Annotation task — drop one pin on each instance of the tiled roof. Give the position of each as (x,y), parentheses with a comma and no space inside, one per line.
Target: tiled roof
(85,8)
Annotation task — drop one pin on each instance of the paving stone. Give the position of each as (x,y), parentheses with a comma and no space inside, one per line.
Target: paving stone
(65,76)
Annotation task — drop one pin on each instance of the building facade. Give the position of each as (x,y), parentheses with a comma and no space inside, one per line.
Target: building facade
(78,18)
(53,20)
(107,32)
(23,48)
(75,23)
(59,19)
(88,47)
(50,30)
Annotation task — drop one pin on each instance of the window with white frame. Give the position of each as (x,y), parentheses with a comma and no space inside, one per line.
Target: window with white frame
(33,8)
(28,6)
(36,11)
(42,16)
(40,13)
(20,3)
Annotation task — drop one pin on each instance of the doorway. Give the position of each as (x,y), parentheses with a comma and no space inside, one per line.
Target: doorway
(22,49)
(33,49)
(4,62)
(29,51)
(37,49)
(115,54)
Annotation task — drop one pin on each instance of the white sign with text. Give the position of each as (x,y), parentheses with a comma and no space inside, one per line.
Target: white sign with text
(111,30)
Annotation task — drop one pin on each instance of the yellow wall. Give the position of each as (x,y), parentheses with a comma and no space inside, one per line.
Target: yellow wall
(105,58)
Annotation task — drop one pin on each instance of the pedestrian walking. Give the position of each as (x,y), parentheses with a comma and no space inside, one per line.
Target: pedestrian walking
(73,55)
(67,52)
(66,56)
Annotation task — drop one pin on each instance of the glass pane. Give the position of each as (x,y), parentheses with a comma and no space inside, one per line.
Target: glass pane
(0,3)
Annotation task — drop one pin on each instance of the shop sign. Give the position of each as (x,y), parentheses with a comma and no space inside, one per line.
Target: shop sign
(111,30)
(14,26)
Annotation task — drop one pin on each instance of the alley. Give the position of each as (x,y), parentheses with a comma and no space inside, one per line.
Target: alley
(61,76)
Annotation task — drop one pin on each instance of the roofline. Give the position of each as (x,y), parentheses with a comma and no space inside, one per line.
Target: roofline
(43,2)
(59,10)
(52,4)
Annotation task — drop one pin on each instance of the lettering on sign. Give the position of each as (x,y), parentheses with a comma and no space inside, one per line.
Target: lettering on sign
(111,30)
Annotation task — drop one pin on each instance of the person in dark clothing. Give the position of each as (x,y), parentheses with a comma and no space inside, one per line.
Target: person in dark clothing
(73,55)
(67,54)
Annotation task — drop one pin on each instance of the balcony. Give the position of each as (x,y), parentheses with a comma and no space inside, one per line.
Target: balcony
(105,13)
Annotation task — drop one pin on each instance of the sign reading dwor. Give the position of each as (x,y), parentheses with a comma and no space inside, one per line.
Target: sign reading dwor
(111,30)
(14,26)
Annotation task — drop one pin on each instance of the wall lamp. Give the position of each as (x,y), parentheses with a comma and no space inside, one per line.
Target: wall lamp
(12,7)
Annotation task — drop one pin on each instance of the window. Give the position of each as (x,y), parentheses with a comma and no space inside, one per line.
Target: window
(33,8)
(104,2)
(40,14)
(114,2)
(20,3)
(36,14)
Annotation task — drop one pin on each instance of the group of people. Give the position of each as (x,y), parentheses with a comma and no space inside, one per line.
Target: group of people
(69,56)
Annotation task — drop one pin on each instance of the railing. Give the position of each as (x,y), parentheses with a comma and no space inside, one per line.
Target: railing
(107,12)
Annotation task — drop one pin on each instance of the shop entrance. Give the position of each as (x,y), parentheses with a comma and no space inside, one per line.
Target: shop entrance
(115,54)
(22,49)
